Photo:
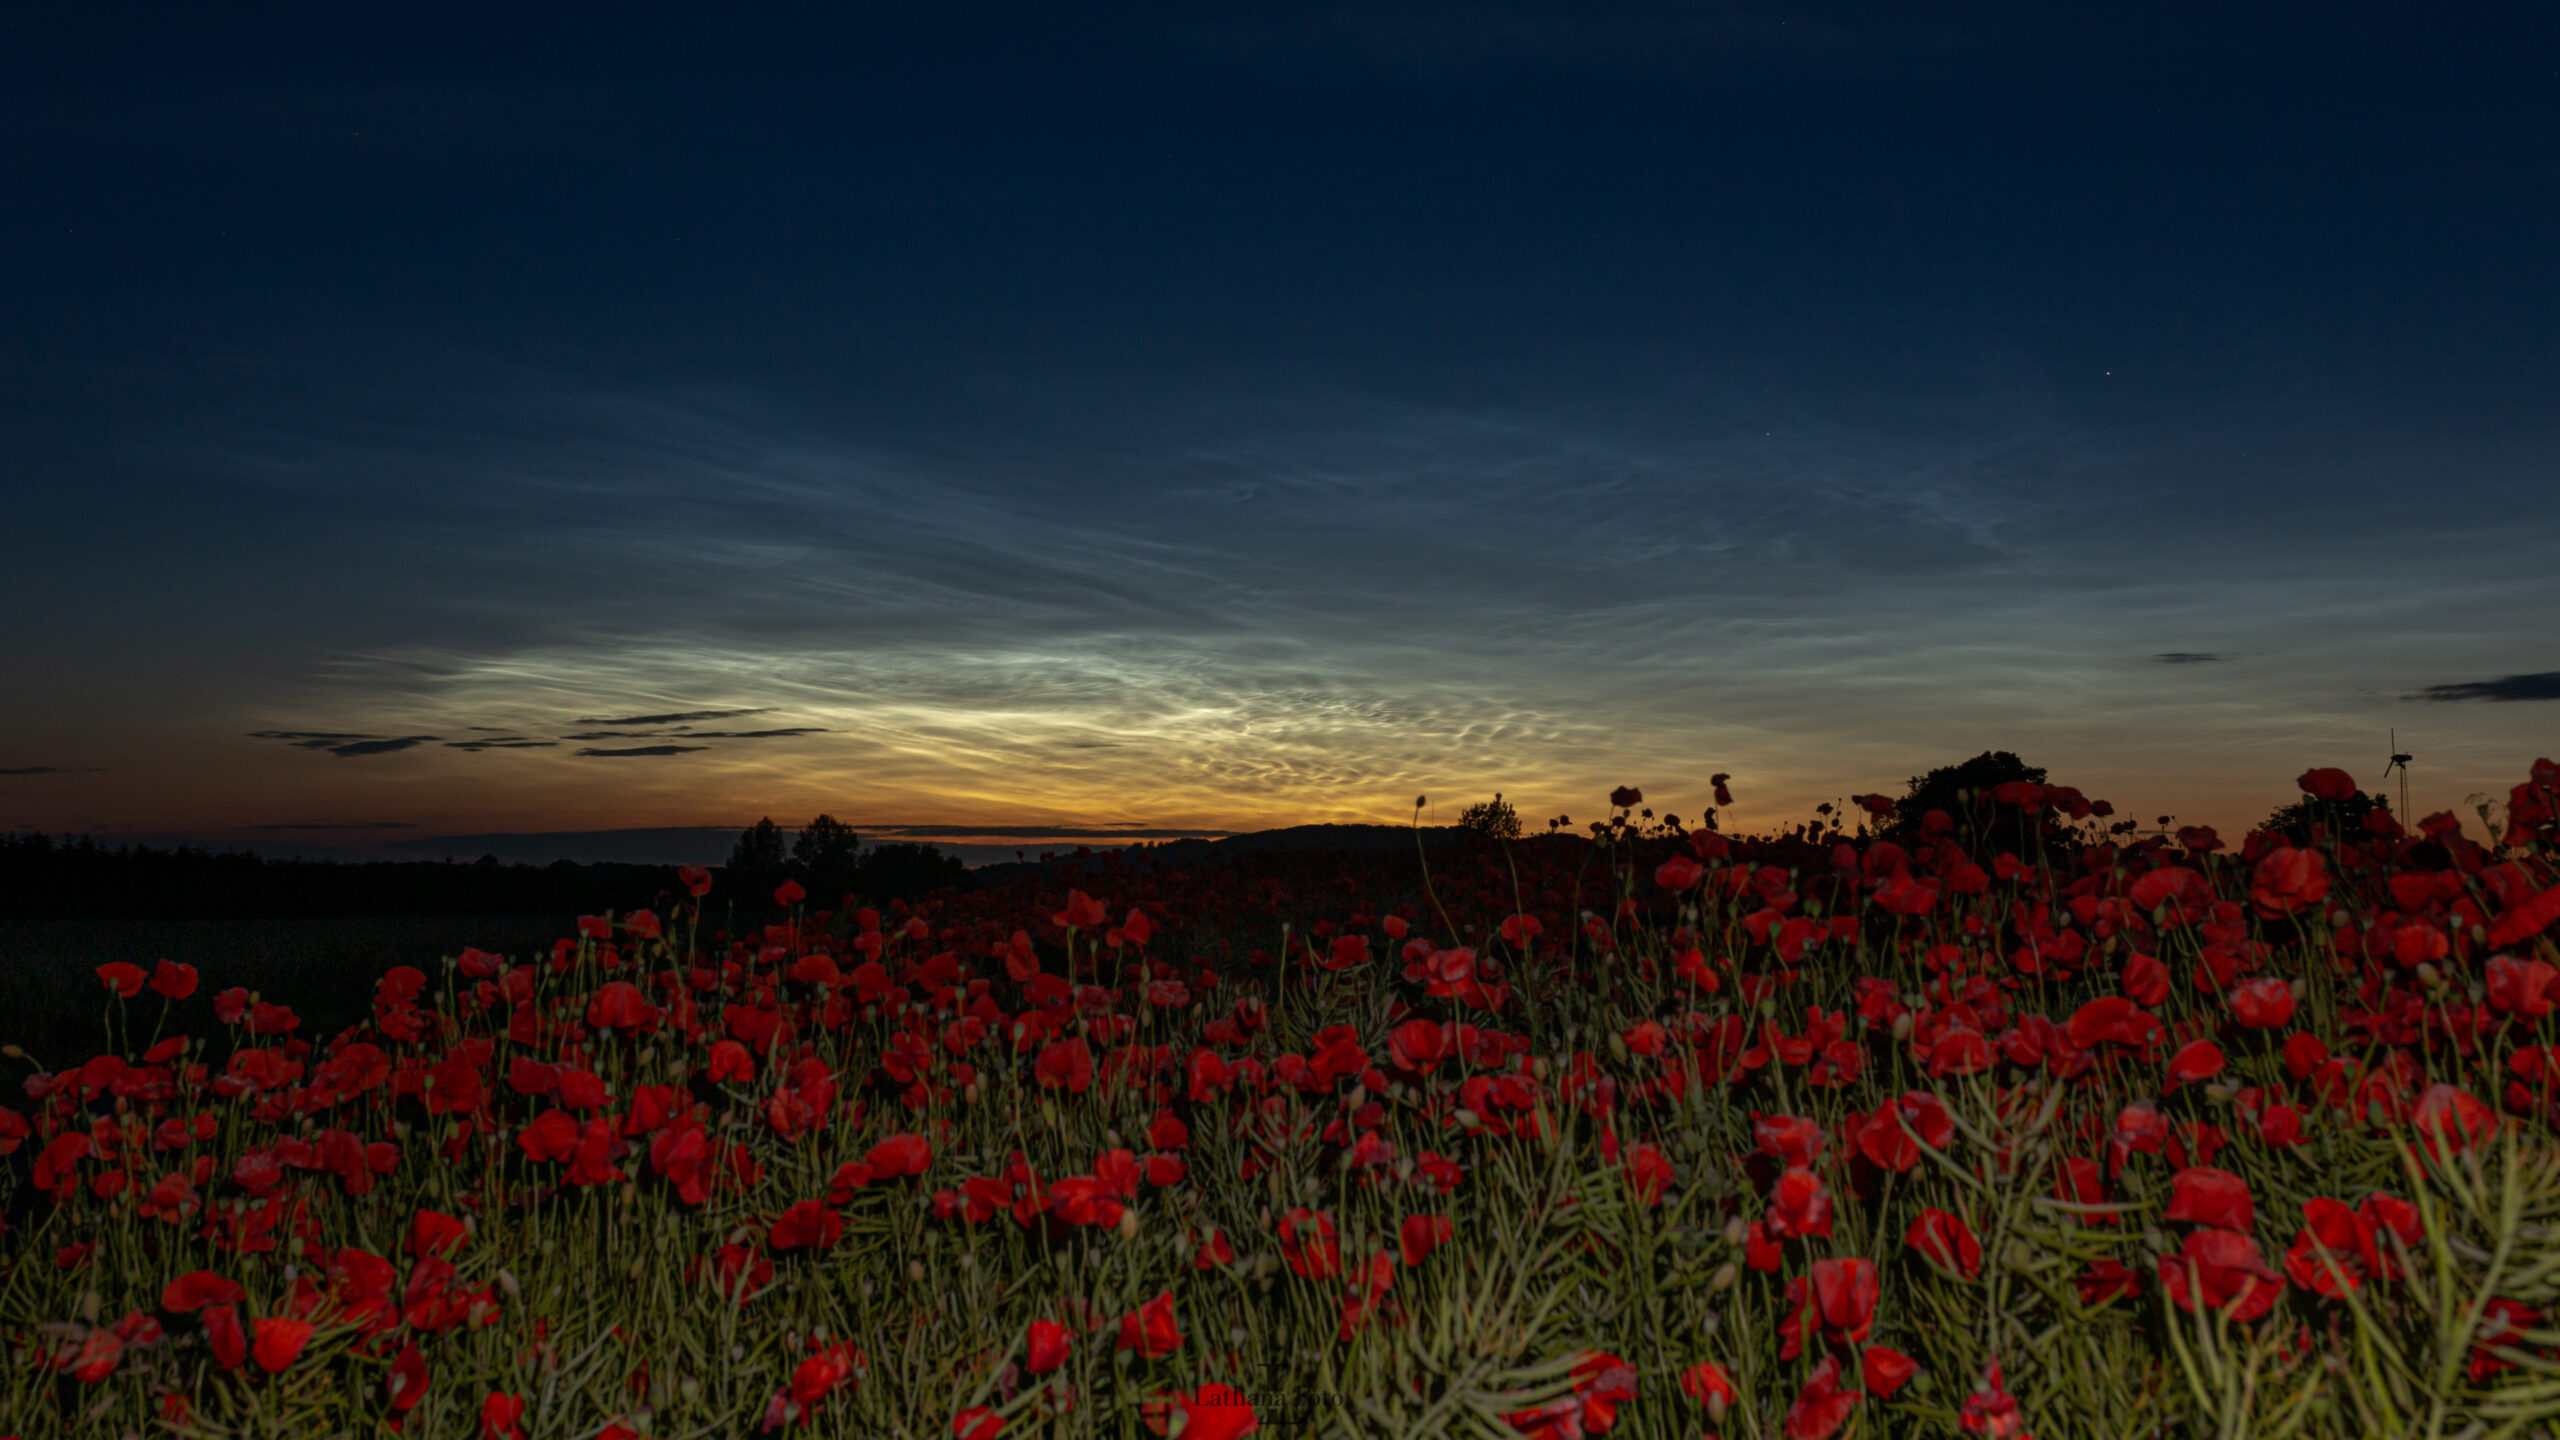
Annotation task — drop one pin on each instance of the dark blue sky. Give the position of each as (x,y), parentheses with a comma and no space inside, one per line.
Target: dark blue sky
(1220,417)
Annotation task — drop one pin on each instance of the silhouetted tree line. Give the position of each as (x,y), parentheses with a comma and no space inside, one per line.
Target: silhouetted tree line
(45,878)
(829,861)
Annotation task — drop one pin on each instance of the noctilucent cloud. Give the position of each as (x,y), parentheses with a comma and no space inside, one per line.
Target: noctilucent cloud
(460,421)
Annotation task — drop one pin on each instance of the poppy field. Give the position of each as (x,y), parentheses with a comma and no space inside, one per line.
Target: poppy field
(2004,1120)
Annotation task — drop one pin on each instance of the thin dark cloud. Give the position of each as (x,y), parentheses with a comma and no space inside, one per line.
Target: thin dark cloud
(2186,657)
(347,825)
(342,744)
(689,734)
(511,743)
(2542,685)
(662,719)
(51,770)
(382,747)
(647,750)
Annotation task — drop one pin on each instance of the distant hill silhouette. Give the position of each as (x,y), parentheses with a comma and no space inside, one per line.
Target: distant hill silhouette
(45,878)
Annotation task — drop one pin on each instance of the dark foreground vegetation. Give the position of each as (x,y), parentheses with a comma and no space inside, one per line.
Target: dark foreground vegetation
(2022,1124)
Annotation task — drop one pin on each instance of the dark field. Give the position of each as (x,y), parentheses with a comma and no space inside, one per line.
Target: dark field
(323,968)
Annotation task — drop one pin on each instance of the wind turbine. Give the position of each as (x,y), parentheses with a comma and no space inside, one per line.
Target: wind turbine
(2400,763)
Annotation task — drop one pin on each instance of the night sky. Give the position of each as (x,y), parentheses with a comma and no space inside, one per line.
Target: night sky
(534,419)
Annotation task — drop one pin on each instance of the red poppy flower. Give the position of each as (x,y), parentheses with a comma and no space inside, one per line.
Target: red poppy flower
(1420,1045)
(1790,1139)
(730,1061)
(1347,951)
(1823,1405)
(1048,1346)
(1083,912)
(1708,1383)
(124,979)
(2288,882)
(1799,1206)
(696,878)
(2112,1019)
(1626,797)
(280,1342)
(432,1232)
(2146,980)
(1150,1329)
(2523,919)
(1946,1241)
(1885,1369)
(223,1333)
(2328,784)
(173,980)
(1679,873)
(1992,1411)
(2197,1060)
(2207,1196)
(2262,1004)
(789,893)
(1308,1243)
(806,1223)
(2333,1252)
(2523,987)
(1419,1235)
(197,1289)
(501,1417)
(1065,1063)
(1846,1292)
(2451,1120)
(2222,1269)
(406,1385)
(899,1155)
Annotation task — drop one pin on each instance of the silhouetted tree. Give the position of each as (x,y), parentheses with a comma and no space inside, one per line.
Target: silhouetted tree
(757,864)
(2337,819)
(1495,819)
(1963,791)
(826,859)
(906,871)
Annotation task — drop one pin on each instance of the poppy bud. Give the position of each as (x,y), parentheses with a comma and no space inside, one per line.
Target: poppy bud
(507,1281)
(2429,975)
(1467,1119)
(969,1092)
(1735,1232)
(1359,1096)
(1128,1224)
(1724,1277)
(915,1271)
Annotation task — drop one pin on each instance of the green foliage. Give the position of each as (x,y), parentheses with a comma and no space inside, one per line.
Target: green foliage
(1494,819)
